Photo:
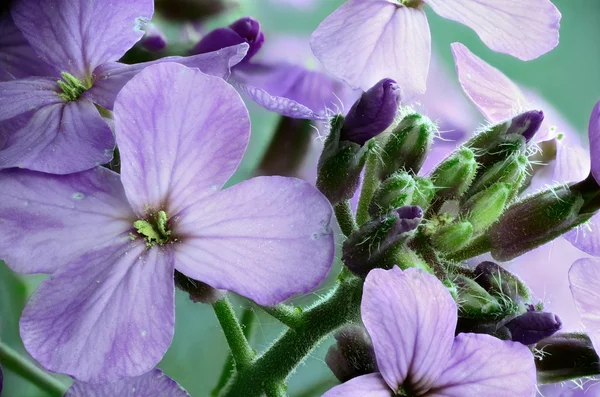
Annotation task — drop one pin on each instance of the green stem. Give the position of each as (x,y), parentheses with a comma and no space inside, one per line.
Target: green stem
(286,314)
(479,246)
(18,364)
(370,184)
(238,344)
(345,217)
(247,324)
(341,306)
(276,390)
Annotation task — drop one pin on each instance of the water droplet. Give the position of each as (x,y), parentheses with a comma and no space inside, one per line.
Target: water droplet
(144,332)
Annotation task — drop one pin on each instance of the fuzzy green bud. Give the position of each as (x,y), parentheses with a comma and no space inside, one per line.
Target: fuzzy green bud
(455,174)
(406,258)
(474,301)
(424,192)
(451,238)
(513,171)
(408,145)
(484,208)
(501,283)
(396,191)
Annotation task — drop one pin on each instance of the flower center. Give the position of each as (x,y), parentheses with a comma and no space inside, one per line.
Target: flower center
(154,229)
(412,3)
(71,87)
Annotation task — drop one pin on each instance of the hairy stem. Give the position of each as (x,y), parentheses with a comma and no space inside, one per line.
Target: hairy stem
(341,306)
(345,217)
(238,344)
(18,364)
(286,314)
(276,390)
(370,184)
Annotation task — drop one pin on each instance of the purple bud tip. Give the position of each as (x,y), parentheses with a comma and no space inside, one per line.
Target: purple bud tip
(526,124)
(244,30)
(372,113)
(531,327)
(409,218)
(154,39)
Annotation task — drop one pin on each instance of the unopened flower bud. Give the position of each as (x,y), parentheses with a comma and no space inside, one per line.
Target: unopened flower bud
(534,221)
(154,39)
(365,249)
(566,356)
(340,165)
(374,111)
(533,326)
(454,175)
(394,192)
(408,145)
(484,208)
(512,171)
(501,283)
(244,30)
(424,192)
(473,300)
(486,325)
(353,354)
(453,237)
(526,124)
(198,291)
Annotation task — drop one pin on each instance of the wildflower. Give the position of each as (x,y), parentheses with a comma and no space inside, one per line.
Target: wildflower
(111,243)
(152,384)
(411,319)
(82,41)
(584,279)
(364,41)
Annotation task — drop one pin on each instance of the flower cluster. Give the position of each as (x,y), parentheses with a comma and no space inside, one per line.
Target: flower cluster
(118,143)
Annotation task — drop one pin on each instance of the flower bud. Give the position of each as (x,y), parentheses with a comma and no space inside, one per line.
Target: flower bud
(408,145)
(473,300)
(340,165)
(244,30)
(501,283)
(406,258)
(154,39)
(394,192)
(512,171)
(424,192)
(566,356)
(455,174)
(488,326)
(526,124)
(533,326)
(453,237)
(198,291)
(534,221)
(365,249)
(374,111)
(483,209)
(353,354)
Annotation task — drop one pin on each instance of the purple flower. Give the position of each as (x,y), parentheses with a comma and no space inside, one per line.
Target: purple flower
(411,319)
(111,242)
(154,39)
(584,279)
(81,43)
(152,384)
(244,30)
(364,41)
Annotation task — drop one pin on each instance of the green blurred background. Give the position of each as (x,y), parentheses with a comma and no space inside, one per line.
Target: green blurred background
(568,77)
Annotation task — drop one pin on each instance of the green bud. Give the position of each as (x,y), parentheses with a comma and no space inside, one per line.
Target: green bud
(406,258)
(340,165)
(474,301)
(408,145)
(424,192)
(513,171)
(394,192)
(501,283)
(451,238)
(455,174)
(483,209)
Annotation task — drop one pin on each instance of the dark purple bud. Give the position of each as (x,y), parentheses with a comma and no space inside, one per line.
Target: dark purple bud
(531,327)
(366,248)
(154,39)
(353,354)
(566,356)
(198,291)
(501,283)
(526,124)
(372,113)
(244,30)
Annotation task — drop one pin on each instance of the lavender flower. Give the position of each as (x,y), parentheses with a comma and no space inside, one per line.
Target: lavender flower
(81,42)
(152,384)
(584,279)
(111,243)
(411,319)
(364,41)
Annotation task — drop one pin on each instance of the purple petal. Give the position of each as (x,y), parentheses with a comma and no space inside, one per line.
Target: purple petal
(21,96)
(482,365)
(17,58)
(78,36)
(524,30)
(584,277)
(371,385)
(110,77)
(54,219)
(412,336)
(363,42)
(586,237)
(594,135)
(60,139)
(152,384)
(178,148)
(494,94)
(267,239)
(105,316)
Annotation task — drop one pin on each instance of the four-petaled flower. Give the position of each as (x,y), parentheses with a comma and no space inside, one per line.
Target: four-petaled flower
(411,319)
